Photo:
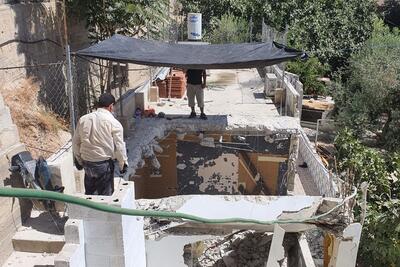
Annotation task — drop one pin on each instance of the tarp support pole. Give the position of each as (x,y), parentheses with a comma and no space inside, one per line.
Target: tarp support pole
(70,89)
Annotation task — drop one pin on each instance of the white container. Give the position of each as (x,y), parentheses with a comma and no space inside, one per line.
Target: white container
(194,26)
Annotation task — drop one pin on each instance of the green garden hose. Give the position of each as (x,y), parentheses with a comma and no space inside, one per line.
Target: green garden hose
(49,195)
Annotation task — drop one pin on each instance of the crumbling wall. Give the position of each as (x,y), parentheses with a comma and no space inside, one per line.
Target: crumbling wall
(212,163)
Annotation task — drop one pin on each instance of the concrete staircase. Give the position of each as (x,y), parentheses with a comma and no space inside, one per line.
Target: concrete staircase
(38,241)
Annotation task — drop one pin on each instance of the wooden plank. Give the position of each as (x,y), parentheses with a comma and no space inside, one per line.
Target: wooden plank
(271,159)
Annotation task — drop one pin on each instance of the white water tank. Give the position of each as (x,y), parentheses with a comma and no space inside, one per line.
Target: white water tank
(194,26)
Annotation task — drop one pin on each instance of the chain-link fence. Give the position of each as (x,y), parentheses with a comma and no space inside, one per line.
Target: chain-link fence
(53,90)
(51,80)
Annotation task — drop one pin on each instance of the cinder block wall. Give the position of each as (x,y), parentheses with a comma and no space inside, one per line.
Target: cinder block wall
(112,239)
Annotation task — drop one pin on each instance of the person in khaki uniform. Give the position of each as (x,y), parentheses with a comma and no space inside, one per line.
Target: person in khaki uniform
(98,139)
(196,82)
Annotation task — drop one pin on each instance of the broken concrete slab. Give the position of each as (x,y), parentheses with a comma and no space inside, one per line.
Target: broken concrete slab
(299,220)
(345,249)
(243,209)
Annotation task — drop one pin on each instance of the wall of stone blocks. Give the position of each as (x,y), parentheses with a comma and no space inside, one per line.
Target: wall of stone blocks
(29,22)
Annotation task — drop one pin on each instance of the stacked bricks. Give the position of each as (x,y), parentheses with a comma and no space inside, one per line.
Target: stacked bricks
(177,83)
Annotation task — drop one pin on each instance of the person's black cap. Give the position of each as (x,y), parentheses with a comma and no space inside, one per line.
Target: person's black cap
(105,100)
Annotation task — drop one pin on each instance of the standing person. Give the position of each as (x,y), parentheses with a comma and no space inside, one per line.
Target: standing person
(196,82)
(97,141)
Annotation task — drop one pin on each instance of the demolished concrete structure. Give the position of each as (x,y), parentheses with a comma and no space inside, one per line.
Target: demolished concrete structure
(244,148)
(238,169)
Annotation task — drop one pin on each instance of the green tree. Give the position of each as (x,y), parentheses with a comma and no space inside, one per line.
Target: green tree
(330,29)
(369,99)
(309,72)
(108,17)
(212,9)
(228,29)
(380,239)
(105,18)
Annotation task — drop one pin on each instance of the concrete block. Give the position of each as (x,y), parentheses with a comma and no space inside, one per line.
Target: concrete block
(87,214)
(6,247)
(142,96)
(104,246)
(140,100)
(112,239)
(73,252)
(79,180)
(31,240)
(279,96)
(74,232)
(10,221)
(270,83)
(71,255)
(107,229)
(98,260)
(62,169)
(153,94)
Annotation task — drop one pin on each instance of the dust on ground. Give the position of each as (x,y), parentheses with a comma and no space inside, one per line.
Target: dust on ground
(42,131)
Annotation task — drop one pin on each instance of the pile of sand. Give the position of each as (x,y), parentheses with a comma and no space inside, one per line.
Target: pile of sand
(42,131)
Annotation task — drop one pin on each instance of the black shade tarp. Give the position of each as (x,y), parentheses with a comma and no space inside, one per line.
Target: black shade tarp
(125,49)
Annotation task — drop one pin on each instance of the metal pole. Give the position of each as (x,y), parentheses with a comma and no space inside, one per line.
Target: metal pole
(70,89)
(120,91)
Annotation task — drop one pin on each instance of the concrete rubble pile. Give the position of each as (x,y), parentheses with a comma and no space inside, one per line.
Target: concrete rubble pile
(243,248)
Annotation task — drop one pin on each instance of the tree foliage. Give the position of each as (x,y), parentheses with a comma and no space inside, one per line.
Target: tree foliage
(331,29)
(228,29)
(309,72)
(380,240)
(105,18)
(370,97)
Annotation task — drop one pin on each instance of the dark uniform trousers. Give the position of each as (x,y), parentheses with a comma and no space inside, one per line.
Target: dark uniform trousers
(99,177)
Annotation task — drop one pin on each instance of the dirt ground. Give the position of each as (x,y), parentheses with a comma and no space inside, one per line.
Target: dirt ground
(42,131)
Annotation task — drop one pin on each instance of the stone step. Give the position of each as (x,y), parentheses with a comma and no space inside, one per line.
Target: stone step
(28,259)
(31,240)
(40,234)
